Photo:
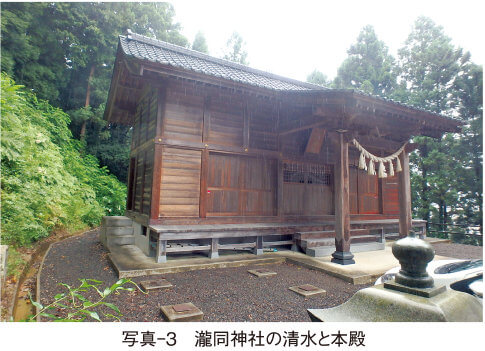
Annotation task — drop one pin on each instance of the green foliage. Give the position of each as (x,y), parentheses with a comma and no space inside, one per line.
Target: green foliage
(65,52)
(236,49)
(74,305)
(47,181)
(369,67)
(15,263)
(200,44)
(447,173)
(317,77)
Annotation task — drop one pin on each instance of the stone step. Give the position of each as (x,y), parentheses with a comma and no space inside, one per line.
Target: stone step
(304,244)
(364,238)
(315,234)
(120,240)
(116,221)
(316,239)
(119,231)
(323,251)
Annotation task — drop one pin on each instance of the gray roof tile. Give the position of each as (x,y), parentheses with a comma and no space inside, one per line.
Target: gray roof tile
(153,50)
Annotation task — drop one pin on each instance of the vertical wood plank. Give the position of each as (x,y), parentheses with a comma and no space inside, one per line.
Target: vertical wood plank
(156,181)
(206,120)
(279,190)
(405,216)
(204,174)
(161,98)
(144,167)
(246,127)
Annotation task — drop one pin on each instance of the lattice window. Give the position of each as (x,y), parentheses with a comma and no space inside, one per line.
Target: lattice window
(295,172)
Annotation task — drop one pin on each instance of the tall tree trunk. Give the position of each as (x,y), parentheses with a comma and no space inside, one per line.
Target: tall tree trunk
(82,134)
(424,184)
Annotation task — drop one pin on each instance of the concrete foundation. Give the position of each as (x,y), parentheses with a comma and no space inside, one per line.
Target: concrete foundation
(116,231)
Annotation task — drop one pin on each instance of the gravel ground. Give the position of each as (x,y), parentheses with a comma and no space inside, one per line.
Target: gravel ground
(226,294)
(458,250)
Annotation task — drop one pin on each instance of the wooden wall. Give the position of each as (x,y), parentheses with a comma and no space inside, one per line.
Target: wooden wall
(142,155)
(180,182)
(202,135)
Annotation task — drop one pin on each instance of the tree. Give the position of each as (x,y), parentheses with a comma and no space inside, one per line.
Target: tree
(65,52)
(369,67)
(235,49)
(32,52)
(200,44)
(468,92)
(317,77)
(429,67)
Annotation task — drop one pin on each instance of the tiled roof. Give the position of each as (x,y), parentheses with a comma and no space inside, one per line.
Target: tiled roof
(153,50)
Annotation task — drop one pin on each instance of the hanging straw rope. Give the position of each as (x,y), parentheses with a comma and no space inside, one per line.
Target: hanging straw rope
(364,154)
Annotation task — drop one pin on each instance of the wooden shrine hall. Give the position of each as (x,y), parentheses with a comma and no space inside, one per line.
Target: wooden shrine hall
(226,157)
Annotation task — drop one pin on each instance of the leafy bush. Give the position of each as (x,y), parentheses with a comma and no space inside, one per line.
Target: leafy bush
(75,306)
(47,182)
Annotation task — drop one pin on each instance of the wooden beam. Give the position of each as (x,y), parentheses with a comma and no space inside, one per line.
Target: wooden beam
(206,120)
(204,174)
(315,141)
(161,100)
(342,254)
(303,127)
(405,216)
(156,182)
(247,121)
(279,190)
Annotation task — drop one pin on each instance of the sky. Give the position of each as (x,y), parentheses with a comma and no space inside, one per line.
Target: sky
(292,38)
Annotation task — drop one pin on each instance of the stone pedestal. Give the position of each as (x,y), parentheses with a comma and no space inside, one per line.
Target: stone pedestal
(412,297)
(342,257)
(378,304)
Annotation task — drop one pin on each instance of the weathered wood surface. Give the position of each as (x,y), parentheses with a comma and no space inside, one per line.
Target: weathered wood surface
(405,214)
(223,154)
(180,182)
(342,206)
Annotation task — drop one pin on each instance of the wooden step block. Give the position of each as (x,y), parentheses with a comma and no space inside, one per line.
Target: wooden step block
(155,284)
(185,312)
(261,272)
(307,290)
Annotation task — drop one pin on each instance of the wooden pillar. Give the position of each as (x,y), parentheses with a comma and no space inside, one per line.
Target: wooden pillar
(156,182)
(214,251)
(342,254)
(204,174)
(405,216)
(161,250)
(279,189)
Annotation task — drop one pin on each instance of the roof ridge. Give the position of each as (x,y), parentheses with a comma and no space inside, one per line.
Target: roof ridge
(183,50)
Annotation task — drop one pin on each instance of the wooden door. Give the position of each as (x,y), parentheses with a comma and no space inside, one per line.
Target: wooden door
(368,189)
(390,195)
(241,186)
